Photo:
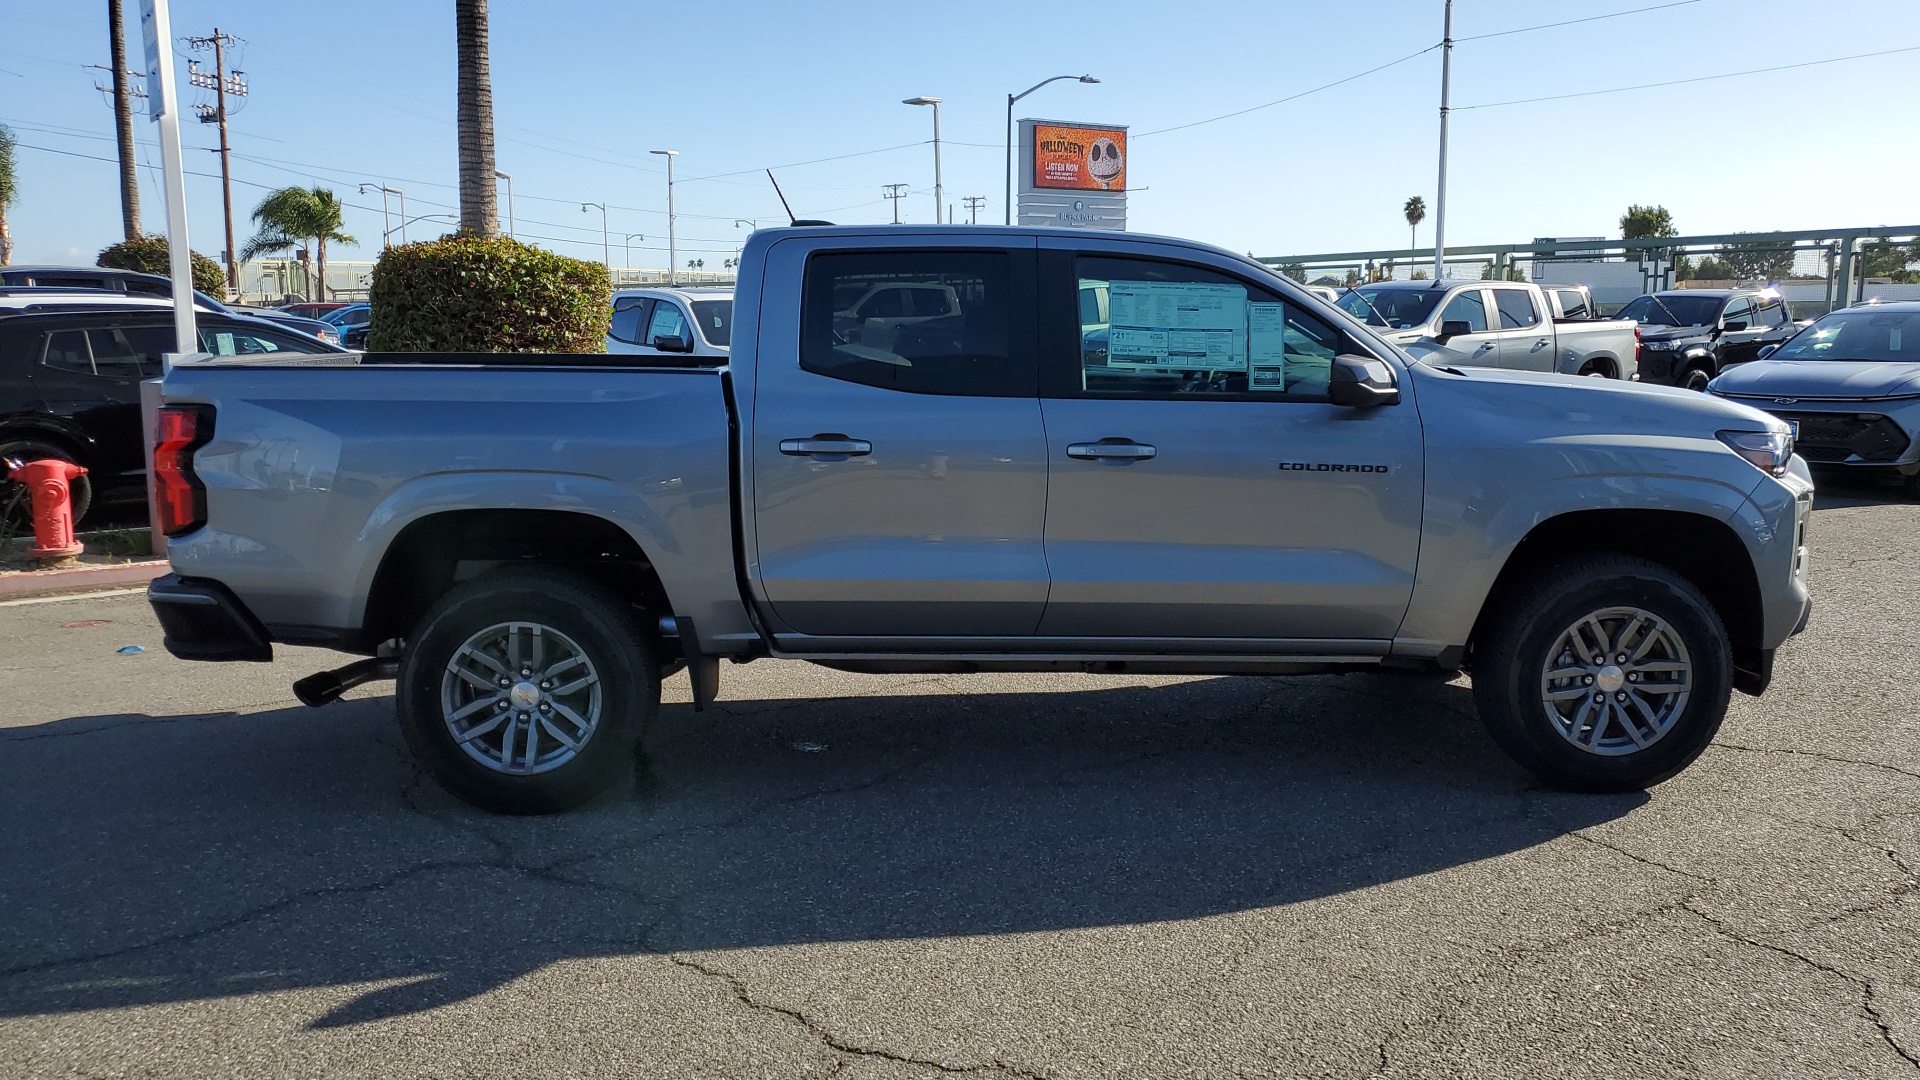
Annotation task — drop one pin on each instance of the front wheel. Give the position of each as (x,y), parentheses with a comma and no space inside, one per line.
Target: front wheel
(1604,673)
(1695,379)
(524,691)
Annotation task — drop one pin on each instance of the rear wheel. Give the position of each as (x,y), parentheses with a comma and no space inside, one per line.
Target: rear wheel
(15,502)
(1597,369)
(524,691)
(1604,673)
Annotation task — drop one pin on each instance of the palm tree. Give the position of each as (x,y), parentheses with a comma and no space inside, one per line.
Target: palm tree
(1416,211)
(479,199)
(291,216)
(9,191)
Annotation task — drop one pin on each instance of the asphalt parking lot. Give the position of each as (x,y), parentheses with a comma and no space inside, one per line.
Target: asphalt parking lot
(868,877)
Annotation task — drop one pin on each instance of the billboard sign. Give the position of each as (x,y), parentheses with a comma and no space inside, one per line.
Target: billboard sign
(1073,157)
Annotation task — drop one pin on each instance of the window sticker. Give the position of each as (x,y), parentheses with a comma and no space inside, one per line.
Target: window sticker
(223,344)
(1266,346)
(1182,325)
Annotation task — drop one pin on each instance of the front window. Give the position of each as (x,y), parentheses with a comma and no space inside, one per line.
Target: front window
(1401,308)
(919,322)
(716,321)
(1886,336)
(1468,308)
(1671,310)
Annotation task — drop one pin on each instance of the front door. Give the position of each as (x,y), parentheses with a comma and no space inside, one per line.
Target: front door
(1202,484)
(1480,346)
(899,465)
(1740,337)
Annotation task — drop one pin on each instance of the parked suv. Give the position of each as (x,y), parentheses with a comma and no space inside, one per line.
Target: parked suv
(1690,335)
(70,386)
(152,286)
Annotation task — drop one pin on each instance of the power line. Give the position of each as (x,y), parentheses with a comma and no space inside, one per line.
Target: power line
(1291,97)
(1574,22)
(1696,79)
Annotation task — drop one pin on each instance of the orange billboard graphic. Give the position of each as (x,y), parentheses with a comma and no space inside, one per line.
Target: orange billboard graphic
(1079,158)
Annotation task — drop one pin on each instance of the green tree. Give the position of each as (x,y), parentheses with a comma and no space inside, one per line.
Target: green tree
(1645,222)
(1753,261)
(1416,212)
(1294,270)
(9,192)
(151,255)
(479,199)
(1887,259)
(288,218)
(1712,269)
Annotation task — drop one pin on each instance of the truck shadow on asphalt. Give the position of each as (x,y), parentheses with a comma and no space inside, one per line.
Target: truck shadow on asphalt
(166,859)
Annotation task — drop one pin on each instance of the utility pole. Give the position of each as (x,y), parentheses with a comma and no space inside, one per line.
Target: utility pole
(894,193)
(974,203)
(673,245)
(123,124)
(222,84)
(1440,199)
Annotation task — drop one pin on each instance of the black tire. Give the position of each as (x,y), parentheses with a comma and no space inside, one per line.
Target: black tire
(1695,379)
(79,489)
(606,632)
(1510,668)
(1597,369)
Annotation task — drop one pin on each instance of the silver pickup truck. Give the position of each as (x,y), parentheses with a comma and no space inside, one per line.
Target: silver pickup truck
(1110,453)
(1507,324)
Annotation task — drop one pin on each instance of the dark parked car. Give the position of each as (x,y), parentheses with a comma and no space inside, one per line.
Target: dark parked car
(312,309)
(70,387)
(1690,335)
(1850,387)
(134,283)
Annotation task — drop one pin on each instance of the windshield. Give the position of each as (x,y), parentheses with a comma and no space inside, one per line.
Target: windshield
(716,320)
(1401,307)
(1858,335)
(1670,310)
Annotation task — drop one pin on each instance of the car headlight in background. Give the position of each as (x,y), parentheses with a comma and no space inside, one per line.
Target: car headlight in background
(1658,346)
(1768,451)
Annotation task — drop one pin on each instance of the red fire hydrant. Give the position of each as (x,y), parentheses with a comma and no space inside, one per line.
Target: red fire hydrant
(46,481)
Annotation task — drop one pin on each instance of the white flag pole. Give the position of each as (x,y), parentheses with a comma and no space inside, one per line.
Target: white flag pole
(156,29)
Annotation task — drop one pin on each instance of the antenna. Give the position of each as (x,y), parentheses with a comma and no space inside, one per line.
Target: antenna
(783,197)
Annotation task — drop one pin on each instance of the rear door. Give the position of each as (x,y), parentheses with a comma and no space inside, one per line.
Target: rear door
(1526,334)
(899,476)
(1202,484)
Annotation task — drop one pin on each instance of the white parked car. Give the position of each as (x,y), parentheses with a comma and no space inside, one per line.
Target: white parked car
(671,322)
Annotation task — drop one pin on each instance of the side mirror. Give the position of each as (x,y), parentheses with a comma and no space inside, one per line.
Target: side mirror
(1766,351)
(1733,327)
(1361,382)
(1452,328)
(668,343)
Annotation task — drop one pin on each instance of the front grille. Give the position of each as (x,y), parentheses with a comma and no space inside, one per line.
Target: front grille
(1842,437)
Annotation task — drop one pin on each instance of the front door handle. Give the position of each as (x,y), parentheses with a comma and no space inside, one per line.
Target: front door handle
(1111,451)
(831,445)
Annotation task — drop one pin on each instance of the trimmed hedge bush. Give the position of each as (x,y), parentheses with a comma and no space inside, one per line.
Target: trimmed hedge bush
(149,255)
(487,294)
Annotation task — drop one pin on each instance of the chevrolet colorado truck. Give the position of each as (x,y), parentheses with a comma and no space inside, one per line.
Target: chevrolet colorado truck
(1240,479)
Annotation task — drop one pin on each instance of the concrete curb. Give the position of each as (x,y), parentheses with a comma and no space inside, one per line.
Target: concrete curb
(25,583)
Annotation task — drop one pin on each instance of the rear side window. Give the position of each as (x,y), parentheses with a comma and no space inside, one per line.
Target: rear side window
(630,318)
(67,351)
(716,320)
(1770,313)
(130,352)
(922,322)
(1516,309)
(1467,308)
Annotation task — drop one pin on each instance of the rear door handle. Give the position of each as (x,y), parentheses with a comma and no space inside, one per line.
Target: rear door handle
(1116,451)
(832,445)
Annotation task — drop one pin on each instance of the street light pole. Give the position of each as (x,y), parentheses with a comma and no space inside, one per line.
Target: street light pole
(606,246)
(1440,199)
(386,221)
(508,177)
(939,196)
(626,242)
(673,247)
(1011,98)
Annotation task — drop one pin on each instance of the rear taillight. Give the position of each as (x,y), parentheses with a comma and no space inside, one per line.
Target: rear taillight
(1637,347)
(180,499)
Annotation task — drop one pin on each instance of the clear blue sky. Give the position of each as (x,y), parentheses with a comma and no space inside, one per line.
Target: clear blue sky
(351,91)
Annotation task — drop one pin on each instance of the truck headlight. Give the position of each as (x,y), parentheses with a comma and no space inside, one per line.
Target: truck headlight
(1658,346)
(1768,451)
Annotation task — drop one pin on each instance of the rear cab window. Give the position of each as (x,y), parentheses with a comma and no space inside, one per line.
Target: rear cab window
(919,321)
(1516,309)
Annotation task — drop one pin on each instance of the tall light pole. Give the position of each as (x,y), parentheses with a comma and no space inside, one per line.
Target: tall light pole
(626,242)
(673,247)
(508,177)
(606,246)
(939,197)
(386,221)
(1440,199)
(1011,98)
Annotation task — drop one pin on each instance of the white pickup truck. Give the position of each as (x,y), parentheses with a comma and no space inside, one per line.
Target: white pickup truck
(1505,324)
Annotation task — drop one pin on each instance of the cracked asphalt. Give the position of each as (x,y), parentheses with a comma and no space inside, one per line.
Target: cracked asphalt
(1030,876)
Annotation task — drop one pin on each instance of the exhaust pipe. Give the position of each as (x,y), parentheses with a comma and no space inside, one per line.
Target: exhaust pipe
(327,686)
